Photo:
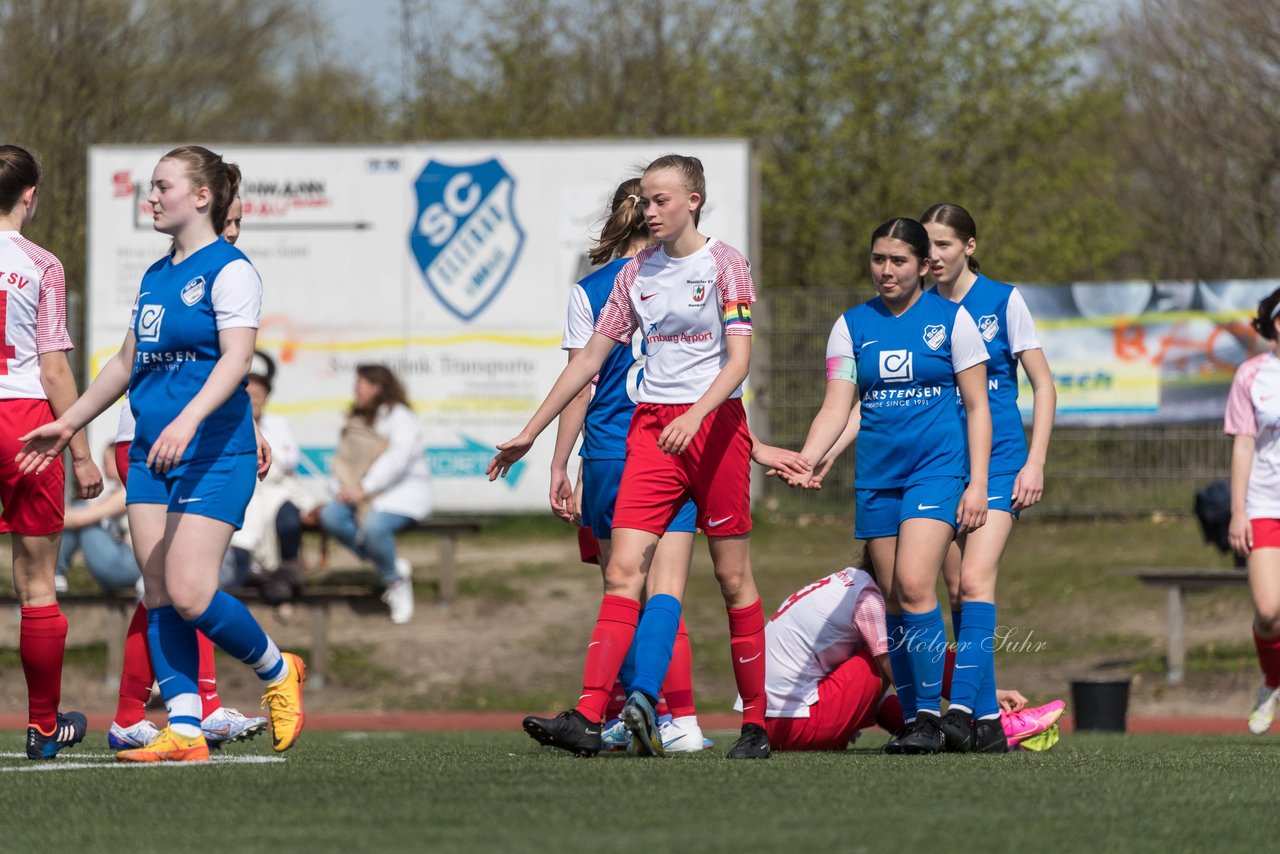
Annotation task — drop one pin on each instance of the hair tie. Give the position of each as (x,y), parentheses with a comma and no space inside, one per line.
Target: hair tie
(634,198)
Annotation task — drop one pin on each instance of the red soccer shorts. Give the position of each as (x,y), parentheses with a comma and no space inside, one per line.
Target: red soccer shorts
(1266,533)
(33,504)
(847,700)
(715,471)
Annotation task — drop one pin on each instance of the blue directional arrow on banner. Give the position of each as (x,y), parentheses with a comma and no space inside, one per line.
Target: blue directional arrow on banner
(470,460)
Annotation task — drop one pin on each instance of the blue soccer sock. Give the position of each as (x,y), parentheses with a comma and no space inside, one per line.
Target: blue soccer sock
(957,623)
(175,657)
(900,664)
(986,705)
(926,636)
(228,623)
(627,672)
(973,654)
(655,636)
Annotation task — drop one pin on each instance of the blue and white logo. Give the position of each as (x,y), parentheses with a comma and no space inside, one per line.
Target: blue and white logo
(988,325)
(465,235)
(896,366)
(149,319)
(193,290)
(935,335)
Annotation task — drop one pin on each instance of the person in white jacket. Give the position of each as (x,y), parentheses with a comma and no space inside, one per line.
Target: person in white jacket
(392,493)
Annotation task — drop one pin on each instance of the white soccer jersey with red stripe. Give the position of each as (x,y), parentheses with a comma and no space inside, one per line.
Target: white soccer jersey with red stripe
(33,308)
(684,308)
(818,628)
(1253,409)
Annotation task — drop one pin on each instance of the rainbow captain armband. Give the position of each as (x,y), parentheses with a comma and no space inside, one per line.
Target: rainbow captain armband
(842,368)
(737,318)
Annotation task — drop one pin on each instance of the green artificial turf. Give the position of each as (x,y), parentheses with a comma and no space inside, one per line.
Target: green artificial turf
(500,792)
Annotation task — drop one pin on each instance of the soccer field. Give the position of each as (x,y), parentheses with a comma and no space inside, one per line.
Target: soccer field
(499,791)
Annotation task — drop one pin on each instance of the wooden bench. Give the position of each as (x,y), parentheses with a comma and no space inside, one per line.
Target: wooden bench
(446,530)
(1180,582)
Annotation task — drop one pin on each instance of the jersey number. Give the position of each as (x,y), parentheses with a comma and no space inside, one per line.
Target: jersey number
(636,372)
(7,350)
(800,594)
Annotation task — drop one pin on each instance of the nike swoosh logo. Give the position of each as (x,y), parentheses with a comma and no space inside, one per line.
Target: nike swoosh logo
(742,660)
(930,684)
(592,731)
(712,523)
(994,497)
(166,679)
(928,506)
(593,643)
(222,730)
(965,666)
(872,341)
(644,297)
(189,500)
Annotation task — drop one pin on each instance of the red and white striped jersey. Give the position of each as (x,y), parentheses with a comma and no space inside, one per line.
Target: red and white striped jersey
(684,308)
(1253,409)
(33,312)
(818,628)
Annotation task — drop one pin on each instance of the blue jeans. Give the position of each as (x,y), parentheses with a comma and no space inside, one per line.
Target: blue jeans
(111,563)
(376,541)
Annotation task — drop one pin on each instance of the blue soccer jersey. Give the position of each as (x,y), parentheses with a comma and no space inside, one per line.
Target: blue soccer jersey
(179,312)
(1007,329)
(905,371)
(613,401)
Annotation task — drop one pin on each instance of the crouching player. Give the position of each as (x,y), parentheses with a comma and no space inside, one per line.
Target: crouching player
(827,673)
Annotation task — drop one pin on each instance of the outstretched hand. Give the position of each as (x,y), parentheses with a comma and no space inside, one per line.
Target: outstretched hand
(43,446)
(509,453)
(780,462)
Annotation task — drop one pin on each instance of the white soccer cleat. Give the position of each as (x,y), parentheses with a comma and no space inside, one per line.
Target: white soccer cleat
(227,724)
(126,738)
(682,735)
(399,598)
(1264,710)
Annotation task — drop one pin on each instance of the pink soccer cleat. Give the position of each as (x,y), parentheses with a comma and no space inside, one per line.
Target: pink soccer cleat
(1030,722)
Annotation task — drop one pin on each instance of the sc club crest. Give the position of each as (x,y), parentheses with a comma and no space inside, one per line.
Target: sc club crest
(935,335)
(989,326)
(465,236)
(193,290)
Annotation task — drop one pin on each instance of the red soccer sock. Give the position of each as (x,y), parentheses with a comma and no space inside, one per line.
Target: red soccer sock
(617,699)
(889,715)
(948,670)
(615,629)
(746,645)
(1269,658)
(136,675)
(208,684)
(42,641)
(677,690)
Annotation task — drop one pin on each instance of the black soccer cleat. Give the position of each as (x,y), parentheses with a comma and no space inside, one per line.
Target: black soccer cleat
(989,737)
(567,731)
(925,736)
(752,744)
(68,732)
(957,731)
(894,745)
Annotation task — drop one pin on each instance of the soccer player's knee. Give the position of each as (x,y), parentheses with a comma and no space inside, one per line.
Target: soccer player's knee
(1267,621)
(623,578)
(731,580)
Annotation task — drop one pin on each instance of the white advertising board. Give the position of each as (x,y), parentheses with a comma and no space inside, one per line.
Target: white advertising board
(449,262)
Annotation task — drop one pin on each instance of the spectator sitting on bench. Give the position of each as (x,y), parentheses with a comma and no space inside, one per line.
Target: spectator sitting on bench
(380,481)
(268,545)
(99,528)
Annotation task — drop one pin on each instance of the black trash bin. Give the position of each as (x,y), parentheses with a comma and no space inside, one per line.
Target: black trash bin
(1100,704)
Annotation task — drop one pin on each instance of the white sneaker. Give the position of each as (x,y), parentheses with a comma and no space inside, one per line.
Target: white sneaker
(60,584)
(404,569)
(1264,710)
(227,724)
(126,738)
(682,735)
(399,598)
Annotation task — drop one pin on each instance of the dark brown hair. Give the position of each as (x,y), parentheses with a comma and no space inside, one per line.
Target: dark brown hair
(390,390)
(19,169)
(690,168)
(206,169)
(958,220)
(624,225)
(1264,323)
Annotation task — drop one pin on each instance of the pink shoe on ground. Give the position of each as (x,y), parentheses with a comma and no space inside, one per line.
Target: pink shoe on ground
(1030,722)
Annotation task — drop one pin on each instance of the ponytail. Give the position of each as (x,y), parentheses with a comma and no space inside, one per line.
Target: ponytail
(624,225)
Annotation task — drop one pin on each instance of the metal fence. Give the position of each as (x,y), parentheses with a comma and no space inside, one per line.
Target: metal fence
(1091,470)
